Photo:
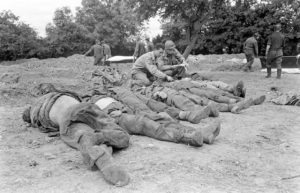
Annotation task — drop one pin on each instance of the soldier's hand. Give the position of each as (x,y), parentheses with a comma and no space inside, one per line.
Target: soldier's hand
(116,113)
(169,79)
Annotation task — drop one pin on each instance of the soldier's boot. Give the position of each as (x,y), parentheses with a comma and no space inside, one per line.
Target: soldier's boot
(269,71)
(112,172)
(211,131)
(278,73)
(195,116)
(214,112)
(259,100)
(238,88)
(191,137)
(100,156)
(238,107)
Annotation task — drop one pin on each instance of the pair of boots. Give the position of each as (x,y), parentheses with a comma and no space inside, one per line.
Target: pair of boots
(269,71)
(196,135)
(196,116)
(244,104)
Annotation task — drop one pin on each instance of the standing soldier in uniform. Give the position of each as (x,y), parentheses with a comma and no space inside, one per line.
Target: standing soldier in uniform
(274,51)
(250,50)
(107,52)
(149,45)
(140,49)
(98,51)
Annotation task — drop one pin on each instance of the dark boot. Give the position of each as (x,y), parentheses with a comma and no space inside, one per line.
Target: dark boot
(269,70)
(278,73)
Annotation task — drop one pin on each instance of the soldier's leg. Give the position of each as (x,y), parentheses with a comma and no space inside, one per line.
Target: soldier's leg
(95,153)
(278,62)
(166,131)
(212,95)
(191,116)
(250,60)
(140,78)
(210,129)
(270,60)
(97,61)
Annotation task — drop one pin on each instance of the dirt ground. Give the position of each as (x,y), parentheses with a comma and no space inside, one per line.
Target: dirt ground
(256,151)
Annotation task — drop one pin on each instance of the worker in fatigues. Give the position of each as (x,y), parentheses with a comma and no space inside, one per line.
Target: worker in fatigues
(140,49)
(98,51)
(250,50)
(107,52)
(274,51)
(172,62)
(145,71)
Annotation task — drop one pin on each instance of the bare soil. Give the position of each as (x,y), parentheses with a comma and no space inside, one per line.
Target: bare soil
(256,151)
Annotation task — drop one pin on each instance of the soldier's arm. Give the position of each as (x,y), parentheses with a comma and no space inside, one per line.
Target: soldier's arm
(179,56)
(256,48)
(89,51)
(136,50)
(161,64)
(268,45)
(154,70)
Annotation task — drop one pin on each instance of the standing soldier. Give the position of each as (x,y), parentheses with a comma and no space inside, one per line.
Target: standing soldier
(140,49)
(149,45)
(250,50)
(274,51)
(107,52)
(98,51)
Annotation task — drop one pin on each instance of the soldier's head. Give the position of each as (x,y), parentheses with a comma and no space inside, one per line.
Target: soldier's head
(97,41)
(170,47)
(278,27)
(256,35)
(158,49)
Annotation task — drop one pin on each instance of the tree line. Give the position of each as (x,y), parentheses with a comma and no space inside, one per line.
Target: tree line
(196,26)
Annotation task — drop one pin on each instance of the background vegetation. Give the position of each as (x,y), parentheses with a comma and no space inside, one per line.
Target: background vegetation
(197,26)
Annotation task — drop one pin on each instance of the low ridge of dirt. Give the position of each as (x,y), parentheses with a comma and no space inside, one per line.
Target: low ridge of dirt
(256,151)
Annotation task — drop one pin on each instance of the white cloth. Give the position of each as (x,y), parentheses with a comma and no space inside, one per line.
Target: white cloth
(104,102)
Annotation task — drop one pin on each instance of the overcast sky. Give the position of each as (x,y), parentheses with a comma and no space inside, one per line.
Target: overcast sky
(37,13)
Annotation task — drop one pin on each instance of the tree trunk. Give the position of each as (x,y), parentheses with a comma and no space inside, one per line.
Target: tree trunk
(189,48)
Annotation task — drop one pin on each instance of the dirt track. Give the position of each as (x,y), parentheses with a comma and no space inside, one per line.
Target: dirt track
(257,150)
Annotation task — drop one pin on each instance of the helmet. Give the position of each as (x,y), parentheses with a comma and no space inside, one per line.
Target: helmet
(169,44)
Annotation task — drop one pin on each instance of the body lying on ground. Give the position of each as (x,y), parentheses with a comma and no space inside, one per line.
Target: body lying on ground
(289,98)
(189,95)
(94,129)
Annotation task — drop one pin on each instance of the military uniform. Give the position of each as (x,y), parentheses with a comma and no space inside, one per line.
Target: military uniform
(140,49)
(98,51)
(83,126)
(275,53)
(251,51)
(144,69)
(170,60)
